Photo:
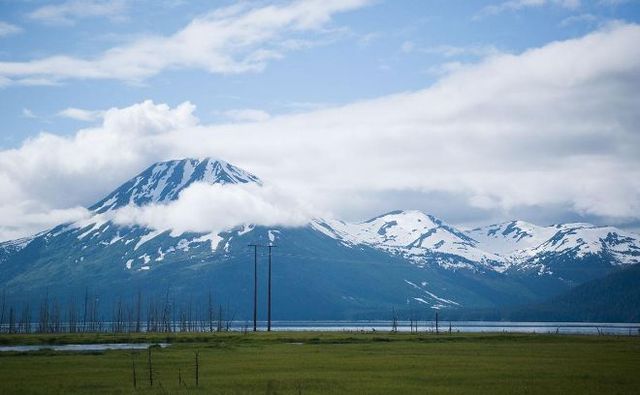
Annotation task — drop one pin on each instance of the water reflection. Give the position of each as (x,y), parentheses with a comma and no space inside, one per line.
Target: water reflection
(81,347)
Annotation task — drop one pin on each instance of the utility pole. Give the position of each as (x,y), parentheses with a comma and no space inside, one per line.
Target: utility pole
(269,294)
(255,286)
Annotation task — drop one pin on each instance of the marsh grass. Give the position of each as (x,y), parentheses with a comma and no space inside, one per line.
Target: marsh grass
(309,363)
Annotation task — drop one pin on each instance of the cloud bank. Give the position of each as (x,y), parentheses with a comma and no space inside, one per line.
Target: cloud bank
(552,126)
(219,207)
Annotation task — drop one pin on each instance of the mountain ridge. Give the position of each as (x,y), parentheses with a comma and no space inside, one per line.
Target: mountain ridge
(404,257)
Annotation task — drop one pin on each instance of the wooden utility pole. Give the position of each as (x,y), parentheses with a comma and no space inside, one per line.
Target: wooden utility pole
(255,286)
(197,368)
(269,293)
(150,366)
(133,371)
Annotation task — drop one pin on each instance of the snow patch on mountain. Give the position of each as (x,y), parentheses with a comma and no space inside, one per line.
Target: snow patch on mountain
(524,245)
(435,301)
(164,181)
(149,236)
(508,237)
(415,236)
(13,246)
(213,238)
(584,239)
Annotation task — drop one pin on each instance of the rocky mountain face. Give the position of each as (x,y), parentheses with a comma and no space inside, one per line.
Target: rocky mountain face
(326,269)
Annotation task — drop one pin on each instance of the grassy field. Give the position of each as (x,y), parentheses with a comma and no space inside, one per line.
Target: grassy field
(308,363)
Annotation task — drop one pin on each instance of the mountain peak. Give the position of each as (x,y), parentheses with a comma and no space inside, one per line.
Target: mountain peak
(163,182)
(416,215)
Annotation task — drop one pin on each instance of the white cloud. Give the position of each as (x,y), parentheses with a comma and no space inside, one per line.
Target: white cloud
(443,69)
(515,5)
(79,114)
(554,126)
(220,207)
(28,218)
(407,46)
(450,51)
(66,13)
(236,39)
(27,113)
(246,115)
(7,29)
(581,18)
(54,172)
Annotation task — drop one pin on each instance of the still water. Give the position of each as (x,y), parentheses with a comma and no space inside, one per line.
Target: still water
(80,347)
(462,326)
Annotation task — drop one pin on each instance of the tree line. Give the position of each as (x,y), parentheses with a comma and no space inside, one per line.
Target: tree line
(127,315)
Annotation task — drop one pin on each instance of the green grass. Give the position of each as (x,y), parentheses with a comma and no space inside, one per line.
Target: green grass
(333,363)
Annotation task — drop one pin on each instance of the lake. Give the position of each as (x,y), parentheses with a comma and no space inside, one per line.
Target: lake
(80,347)
(461,326)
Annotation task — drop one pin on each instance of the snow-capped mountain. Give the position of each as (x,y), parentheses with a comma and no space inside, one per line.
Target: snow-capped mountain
(421,238)
(516,246)
(342,270)
(527,247)
(582,240)
(508,237)
(163,182)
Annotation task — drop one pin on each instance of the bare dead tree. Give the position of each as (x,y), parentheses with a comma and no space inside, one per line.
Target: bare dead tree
(130,320)
(219,326)
(149,316)
(189,315)
(56,317)
(175,316)
(43,317)
(412,322)
(166,314)
(230,318)
(95,323)
(86,305)
(117,320)
(183,320)
(394,322)
(138,312)
(2,309)
(72,317)
(12,321)
(210,313)
(26,319)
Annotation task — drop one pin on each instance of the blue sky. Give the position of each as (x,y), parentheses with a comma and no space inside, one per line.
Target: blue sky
(346,68)
(360,55)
